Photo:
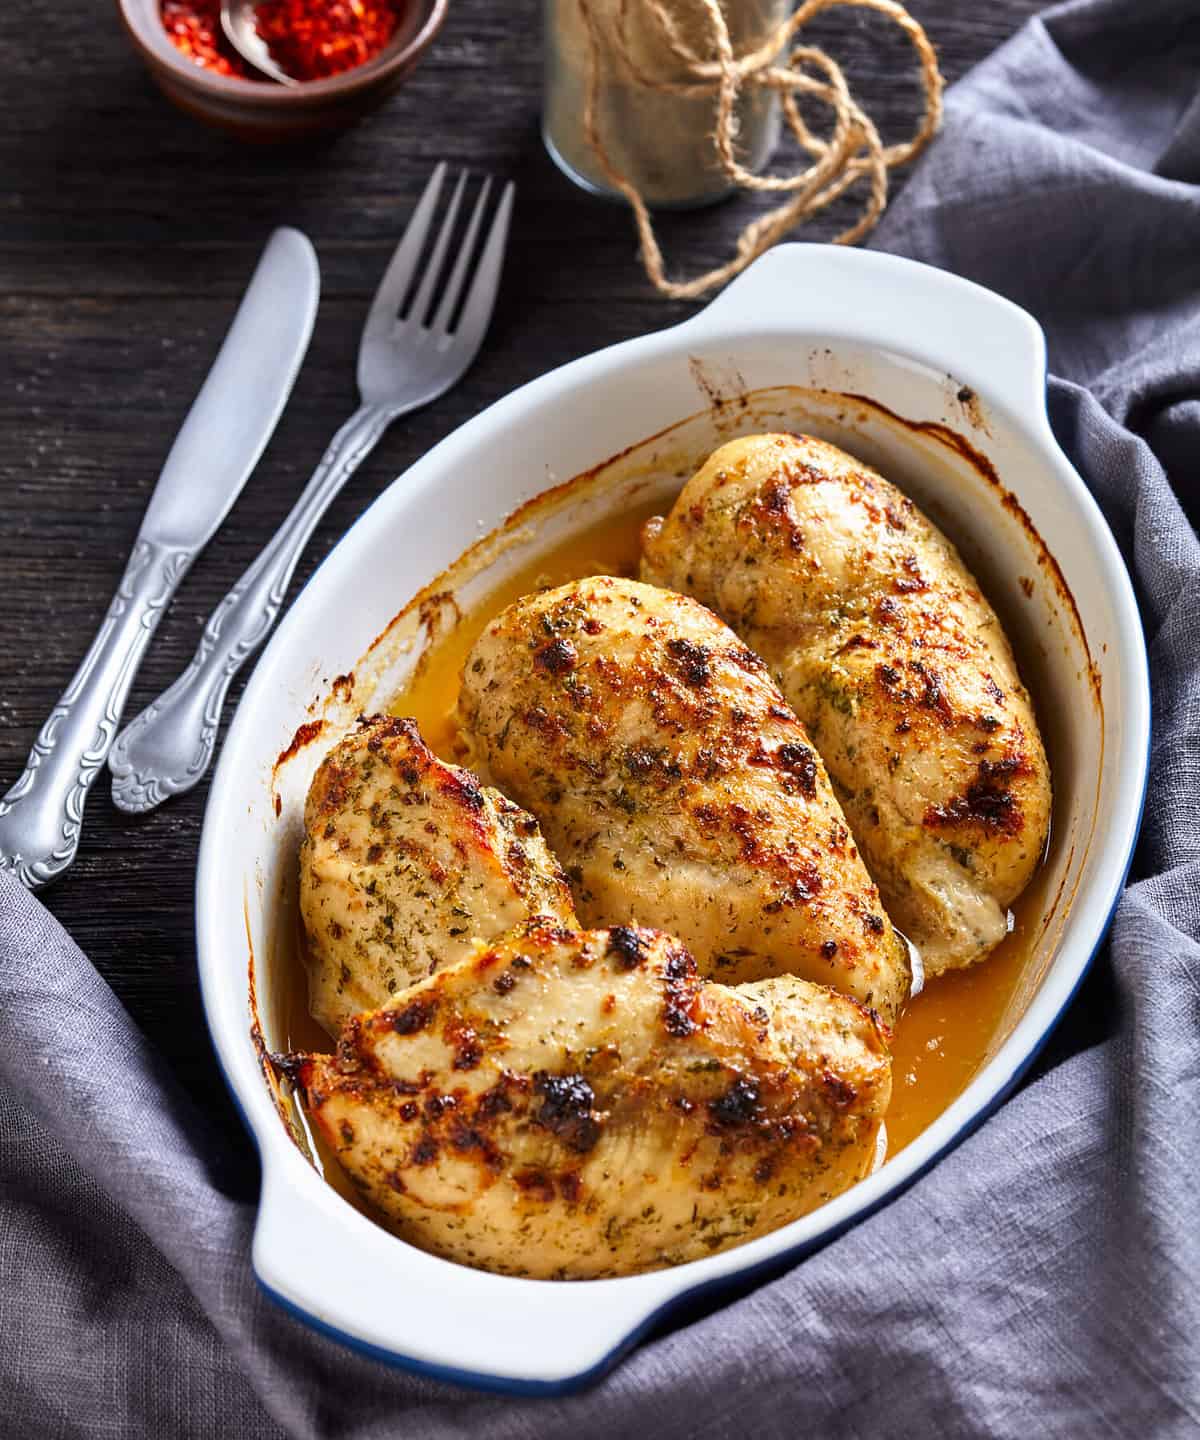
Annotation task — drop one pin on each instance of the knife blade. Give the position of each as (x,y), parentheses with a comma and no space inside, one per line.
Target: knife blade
(240,402)
(220,442)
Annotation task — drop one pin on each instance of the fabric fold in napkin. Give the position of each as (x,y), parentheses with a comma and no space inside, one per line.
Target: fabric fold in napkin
(1045,1278)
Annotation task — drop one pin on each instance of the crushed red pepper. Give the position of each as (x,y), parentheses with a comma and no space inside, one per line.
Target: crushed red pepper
(194,28)
(310,39)
(314,39)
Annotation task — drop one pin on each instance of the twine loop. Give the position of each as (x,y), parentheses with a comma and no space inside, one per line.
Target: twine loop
(851,150)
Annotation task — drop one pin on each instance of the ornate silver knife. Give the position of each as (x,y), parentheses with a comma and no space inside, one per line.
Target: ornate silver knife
(218,446)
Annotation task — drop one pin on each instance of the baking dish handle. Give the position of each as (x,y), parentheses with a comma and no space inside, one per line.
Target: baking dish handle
(888,303)
(335,1269)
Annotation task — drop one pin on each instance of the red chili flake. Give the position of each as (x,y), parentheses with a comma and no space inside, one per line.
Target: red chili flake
(313,39)
(194,28)
(310,39)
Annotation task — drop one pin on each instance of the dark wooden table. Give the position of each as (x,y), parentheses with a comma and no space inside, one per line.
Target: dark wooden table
(129,232)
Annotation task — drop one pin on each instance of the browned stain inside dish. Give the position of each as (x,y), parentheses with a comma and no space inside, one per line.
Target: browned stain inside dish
(304,735)
(256,1032)
(723,390)
(944,1035)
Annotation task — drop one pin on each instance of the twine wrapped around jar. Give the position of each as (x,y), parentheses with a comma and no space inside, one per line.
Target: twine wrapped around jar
(680,102)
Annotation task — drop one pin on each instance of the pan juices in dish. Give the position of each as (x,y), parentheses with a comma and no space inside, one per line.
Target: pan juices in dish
(888,652)
(550,1101)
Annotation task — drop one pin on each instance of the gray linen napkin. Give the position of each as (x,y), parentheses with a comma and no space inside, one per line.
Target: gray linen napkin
(1045,1278)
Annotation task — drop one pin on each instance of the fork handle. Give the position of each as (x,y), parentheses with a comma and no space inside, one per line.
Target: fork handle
(42,814)
(169,746)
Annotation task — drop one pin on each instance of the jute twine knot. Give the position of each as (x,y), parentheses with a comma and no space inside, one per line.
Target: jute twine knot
(852,151)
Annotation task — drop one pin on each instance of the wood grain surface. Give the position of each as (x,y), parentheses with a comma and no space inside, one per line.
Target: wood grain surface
(128,234)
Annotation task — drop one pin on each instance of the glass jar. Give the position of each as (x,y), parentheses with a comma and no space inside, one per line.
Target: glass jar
(661,142)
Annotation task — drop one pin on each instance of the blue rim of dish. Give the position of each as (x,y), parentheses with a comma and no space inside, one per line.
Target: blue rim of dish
(741,1281)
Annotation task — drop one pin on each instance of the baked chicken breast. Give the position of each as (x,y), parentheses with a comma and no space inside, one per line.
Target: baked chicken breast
(574,1105)
(405,864)
(676,787)
(883,643)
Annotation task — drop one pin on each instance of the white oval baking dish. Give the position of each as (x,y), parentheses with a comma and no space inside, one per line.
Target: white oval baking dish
(914,344)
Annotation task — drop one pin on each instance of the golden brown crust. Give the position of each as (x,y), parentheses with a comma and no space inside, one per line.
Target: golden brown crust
(882,641)
(676,786)
(406,863)
(571,1105)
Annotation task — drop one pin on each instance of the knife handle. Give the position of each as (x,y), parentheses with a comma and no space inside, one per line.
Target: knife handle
(41,816)
(167,748)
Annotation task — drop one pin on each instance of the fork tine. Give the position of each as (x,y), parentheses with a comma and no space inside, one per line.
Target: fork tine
(433,269)
(481,297)
(441,321)
(402,266)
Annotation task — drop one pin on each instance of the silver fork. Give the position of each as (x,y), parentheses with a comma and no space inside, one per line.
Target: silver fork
(402,365)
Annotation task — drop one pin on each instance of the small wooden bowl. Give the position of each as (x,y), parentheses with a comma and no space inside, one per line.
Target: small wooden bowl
(263,110)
